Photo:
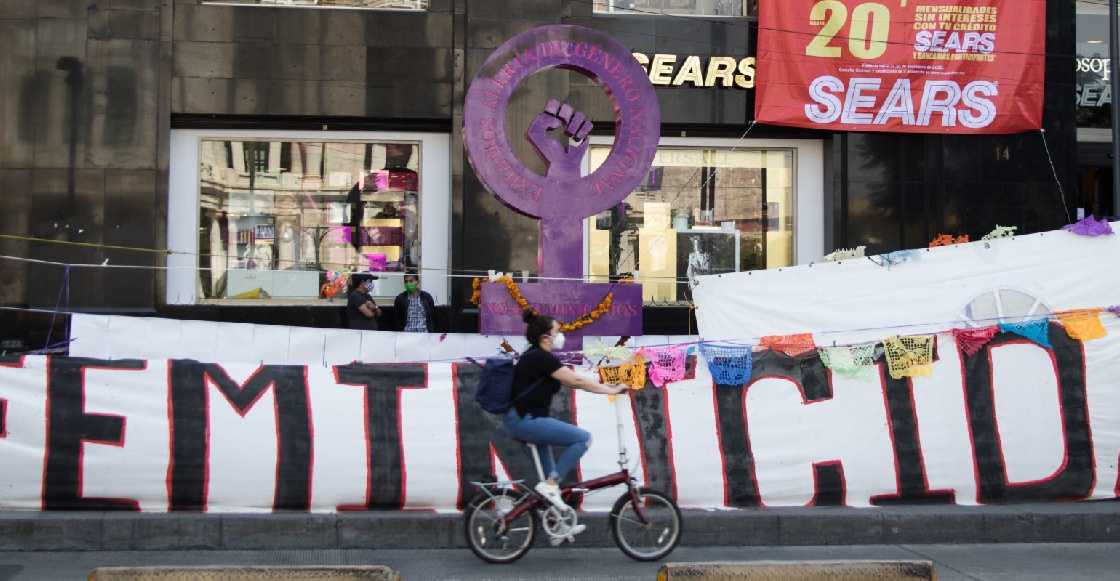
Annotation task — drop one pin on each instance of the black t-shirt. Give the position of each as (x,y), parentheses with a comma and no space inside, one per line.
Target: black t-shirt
(355,317)
(533,365)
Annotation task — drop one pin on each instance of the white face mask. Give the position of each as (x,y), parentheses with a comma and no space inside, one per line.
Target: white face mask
(558,341)
(369,287)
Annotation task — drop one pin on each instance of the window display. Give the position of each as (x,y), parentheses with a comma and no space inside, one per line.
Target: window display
(277,216)
(699,211)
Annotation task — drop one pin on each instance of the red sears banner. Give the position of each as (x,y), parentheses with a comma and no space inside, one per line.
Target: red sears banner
(916,66)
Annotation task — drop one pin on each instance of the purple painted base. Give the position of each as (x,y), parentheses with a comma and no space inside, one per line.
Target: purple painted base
(565,302)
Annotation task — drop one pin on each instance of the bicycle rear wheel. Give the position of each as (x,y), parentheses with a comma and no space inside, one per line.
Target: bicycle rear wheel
(489,537)
(657,536)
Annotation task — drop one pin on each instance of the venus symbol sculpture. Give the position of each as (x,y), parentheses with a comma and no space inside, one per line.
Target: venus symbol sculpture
(563,197)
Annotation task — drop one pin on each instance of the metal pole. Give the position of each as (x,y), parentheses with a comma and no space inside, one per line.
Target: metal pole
(1114,58)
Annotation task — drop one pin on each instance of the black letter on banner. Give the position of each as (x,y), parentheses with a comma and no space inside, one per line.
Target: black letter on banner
(1076,478)
(742,487)
(69,426)
(913,484)
(477,433)
(651,413)
(383,383)
(190,440)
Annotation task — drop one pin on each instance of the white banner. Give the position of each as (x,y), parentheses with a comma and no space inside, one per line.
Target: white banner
(1014,422)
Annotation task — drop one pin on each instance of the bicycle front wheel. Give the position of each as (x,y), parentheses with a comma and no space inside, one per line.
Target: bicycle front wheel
(490,537)
(652,539)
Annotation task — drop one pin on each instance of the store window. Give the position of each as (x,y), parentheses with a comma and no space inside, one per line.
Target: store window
(679,7)
(699,211)
(384,4)
(276,216)
(1094,93)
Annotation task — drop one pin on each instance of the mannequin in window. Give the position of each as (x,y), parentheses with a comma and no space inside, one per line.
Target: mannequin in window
(699,262)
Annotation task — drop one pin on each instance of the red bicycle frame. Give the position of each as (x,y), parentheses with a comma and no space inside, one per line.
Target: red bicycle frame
(614,479)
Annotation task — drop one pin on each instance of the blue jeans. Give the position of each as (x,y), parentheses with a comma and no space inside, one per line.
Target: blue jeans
(546,433)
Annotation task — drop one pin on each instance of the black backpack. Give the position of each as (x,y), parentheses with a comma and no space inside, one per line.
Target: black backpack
(495,387)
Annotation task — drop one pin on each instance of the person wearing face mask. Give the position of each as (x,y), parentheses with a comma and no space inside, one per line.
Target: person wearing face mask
(528,418)
(361,311)
(415,309)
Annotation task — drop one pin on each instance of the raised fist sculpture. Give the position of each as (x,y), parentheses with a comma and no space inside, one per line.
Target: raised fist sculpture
(562,162)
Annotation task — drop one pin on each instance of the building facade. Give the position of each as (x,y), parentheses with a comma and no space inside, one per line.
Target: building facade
(232,151)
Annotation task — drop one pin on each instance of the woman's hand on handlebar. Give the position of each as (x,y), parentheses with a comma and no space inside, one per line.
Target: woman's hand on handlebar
(572,379)
(616,388)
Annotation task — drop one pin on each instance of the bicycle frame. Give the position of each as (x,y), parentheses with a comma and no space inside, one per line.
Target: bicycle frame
(534,500)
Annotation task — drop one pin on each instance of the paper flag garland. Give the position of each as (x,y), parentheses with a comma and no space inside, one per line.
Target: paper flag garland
(792,345)
(855,362)
(729,364)
(1037,330)
(632,373)
(666,365)
(614,353)
(1082,324)
(909,356)
(972,340)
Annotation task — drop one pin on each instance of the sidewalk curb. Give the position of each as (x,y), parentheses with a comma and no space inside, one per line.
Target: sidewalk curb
(1086,522)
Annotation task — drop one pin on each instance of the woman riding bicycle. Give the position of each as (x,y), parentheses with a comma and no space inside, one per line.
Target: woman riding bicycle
(528,419)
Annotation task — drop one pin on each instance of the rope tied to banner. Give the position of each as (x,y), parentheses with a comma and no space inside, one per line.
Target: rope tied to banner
(62,290)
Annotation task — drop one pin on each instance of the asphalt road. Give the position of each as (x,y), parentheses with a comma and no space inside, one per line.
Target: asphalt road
(1020,562)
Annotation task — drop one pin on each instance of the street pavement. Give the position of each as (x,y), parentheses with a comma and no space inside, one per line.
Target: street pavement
(989,562)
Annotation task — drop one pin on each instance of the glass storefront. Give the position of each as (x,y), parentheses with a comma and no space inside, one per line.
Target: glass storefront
(699,211)
(1094,94)
(1094,111)
(679,7)
(275,215)
(384,4)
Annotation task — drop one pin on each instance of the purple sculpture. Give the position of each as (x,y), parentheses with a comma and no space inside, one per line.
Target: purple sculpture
(562,198)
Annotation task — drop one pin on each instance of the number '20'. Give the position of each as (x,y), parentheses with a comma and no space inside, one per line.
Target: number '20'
(871,16)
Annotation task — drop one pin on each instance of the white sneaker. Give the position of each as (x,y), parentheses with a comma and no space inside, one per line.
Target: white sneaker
(551,493)
(571,538)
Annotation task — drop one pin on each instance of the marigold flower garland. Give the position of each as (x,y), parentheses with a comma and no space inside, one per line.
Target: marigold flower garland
(598,311)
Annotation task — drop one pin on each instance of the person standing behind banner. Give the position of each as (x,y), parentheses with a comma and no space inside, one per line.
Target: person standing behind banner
(416,309)
(361,311)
